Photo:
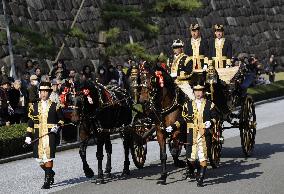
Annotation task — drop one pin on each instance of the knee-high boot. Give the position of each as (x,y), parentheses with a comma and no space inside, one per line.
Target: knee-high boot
(201,177)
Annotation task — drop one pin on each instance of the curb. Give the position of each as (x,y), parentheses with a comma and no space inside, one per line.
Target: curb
(114,136)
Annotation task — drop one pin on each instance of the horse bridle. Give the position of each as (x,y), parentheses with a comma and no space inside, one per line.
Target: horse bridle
(147,84)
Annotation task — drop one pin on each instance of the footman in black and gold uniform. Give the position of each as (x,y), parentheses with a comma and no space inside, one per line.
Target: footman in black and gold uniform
(220,49)
(45,118)
(180,66)
(197,118)
(198,48)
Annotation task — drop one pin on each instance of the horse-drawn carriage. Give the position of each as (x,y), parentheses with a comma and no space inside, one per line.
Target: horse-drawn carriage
(222,86)
(153,104)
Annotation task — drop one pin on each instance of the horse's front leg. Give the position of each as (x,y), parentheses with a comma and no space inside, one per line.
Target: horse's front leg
(126,146)
(100,156)
(82,151)
(163,156)
(108,148)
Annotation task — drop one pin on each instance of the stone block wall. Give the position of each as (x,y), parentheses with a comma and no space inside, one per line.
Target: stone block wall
(254,26)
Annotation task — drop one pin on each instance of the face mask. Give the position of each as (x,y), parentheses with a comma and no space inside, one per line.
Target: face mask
(102,71)
(35,82)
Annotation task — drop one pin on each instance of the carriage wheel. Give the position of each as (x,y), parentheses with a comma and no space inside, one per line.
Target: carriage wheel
(139,152)
(215,148)
(248,126)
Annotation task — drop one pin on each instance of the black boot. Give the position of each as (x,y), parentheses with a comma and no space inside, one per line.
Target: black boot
(108,166)
(189,175)
(126,170)
(47,179)
(201,176)
(52,177)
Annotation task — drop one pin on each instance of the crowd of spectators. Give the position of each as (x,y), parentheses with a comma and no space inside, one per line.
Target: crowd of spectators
(17,94)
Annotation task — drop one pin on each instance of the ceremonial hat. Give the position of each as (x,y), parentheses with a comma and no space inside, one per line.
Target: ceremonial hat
(218,27)
(194,27)
(33,77)
(198,85)
(45,86)
(177,43)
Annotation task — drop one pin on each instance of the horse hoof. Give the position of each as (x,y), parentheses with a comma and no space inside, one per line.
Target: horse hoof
(179,163)
(108,175)
(161,182)
(89,173)
(99,181)
(125,173)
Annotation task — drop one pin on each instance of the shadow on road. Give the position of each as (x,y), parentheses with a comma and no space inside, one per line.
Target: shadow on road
(233,167)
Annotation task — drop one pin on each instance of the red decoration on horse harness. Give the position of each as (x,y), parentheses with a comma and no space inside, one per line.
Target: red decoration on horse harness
(161,78)
(86,92)
(107,95)
(63,95)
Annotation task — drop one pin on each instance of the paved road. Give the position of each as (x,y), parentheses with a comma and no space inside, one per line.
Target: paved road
(262,173)
(25,176)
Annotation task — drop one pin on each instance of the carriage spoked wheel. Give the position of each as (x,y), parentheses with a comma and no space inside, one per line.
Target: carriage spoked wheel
(214,153)
(139,152)
(248,126)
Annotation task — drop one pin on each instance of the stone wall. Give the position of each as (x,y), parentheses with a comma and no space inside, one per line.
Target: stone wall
(254,26)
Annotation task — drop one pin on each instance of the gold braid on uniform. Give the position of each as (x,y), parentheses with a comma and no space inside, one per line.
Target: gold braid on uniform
(30,114)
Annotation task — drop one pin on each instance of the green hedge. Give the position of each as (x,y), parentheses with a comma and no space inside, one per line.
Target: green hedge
(11,140)
(264,92)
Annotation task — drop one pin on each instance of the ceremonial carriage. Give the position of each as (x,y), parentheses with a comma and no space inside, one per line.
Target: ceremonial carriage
(235,107)
(160,108)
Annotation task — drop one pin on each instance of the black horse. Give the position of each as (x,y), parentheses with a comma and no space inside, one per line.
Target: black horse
(99,111)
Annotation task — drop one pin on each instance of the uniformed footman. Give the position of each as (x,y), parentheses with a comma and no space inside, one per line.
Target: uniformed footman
(180,67)
(198,48)
(220,49)
(198,116)
(45,119)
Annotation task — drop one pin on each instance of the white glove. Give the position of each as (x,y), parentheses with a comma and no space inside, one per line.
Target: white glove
(90,100)
(207,124)
(227,66)
(54,129)
(169,129)
(28,140)
(204,67)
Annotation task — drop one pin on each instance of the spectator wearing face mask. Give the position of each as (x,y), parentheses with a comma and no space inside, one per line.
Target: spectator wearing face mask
(33,90)
(112,74)
(102,75)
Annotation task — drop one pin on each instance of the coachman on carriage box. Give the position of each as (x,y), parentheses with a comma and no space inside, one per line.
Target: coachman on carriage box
(45,119)
(220,49)
(198,48)
(197,118)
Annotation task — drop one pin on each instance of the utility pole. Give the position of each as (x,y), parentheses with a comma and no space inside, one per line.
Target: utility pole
(10,47)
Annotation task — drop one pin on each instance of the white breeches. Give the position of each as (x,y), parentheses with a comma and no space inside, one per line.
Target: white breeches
(199,154)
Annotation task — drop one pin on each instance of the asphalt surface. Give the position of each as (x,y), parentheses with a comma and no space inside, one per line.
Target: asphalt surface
(262,173)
